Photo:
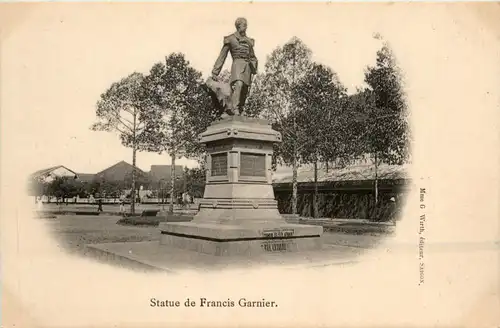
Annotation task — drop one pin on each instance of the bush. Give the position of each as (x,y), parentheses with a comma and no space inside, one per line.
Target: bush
(150,212)
(139,221)
(147,218)
(86,213)
(342,204)
(360,229)
(128,215)
(150,218)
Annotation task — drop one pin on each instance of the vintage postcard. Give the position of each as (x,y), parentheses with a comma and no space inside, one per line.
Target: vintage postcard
(250,164)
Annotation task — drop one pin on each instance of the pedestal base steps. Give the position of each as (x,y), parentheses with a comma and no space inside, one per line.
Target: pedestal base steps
(249,239)
(239,214)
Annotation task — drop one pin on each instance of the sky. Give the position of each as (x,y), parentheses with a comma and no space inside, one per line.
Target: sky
(63,56)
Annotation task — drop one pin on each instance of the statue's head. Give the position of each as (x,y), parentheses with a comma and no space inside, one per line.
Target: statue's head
(241,24)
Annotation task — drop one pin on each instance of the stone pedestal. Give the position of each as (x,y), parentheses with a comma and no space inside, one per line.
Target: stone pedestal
(238,214)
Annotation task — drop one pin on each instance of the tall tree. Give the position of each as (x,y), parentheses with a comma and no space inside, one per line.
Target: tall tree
(320,120)
(106,188)
(121,109)
(38,187)
(64,187)
(285,66)
(383,107)
(255,103)
(179,109)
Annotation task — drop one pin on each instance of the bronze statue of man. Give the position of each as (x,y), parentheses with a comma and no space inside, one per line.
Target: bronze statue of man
(244,65)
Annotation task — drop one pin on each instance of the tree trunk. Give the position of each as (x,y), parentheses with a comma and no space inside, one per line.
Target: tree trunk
(164,195)
(326,164)
(376,180)
(332,181)
(132,195)
(294,175)
(184,182)
(172,184)
(315,195)
(134,150)
(294,184)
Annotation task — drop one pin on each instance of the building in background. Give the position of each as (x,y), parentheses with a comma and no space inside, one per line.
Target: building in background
(48,175)
(86,177)
(115,181)
(40,180)
(121,171)
(160,173)
(359,172)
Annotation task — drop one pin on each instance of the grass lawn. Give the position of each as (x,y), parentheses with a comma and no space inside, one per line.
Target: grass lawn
(73,232)
(352,240)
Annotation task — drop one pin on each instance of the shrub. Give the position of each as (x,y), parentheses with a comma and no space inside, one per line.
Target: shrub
(360,229)
(150,212)
(139,221)
(86,213)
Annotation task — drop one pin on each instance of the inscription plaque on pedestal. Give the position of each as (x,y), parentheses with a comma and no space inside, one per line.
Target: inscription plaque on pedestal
(219,164)
(253,165)
(278,233)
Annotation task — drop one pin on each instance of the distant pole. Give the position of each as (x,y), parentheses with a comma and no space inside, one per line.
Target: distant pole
(184,178)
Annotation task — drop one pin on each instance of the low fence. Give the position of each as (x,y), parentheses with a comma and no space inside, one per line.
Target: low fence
(105,201)
(74,200)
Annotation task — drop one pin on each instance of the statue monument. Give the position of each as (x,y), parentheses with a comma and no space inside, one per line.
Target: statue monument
(238,213)
(231,98)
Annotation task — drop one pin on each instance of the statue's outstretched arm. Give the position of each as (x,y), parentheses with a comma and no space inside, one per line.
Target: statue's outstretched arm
(221,59)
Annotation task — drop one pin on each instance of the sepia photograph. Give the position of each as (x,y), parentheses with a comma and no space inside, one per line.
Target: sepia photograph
(250,164)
